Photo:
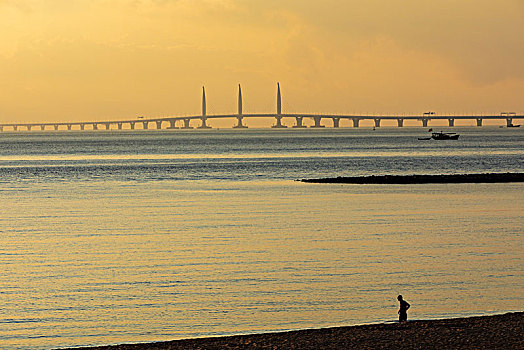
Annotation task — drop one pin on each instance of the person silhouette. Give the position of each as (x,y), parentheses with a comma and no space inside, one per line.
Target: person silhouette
(403,310)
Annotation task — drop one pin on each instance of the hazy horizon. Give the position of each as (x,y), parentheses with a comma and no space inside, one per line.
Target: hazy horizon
(98,60)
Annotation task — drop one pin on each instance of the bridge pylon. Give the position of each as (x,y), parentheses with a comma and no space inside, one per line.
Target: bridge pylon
(279,110)
(239,100)
(204,106)
(203,118)
(279,100)
(240,116)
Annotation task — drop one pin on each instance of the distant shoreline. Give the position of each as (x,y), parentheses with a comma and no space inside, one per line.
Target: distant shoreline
(482,332)
(423,179)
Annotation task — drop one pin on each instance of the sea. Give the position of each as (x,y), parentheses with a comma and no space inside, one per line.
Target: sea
(114,237)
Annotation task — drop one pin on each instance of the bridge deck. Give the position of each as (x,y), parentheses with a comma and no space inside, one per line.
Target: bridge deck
(298,116)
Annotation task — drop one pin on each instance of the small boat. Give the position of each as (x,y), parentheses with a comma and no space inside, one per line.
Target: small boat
(514,126)
(444,136)
(424,138)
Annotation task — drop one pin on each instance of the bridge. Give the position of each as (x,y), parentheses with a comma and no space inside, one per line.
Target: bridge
(184,122)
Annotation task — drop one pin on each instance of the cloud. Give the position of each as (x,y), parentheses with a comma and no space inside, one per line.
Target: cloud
(113,57)
(483,39)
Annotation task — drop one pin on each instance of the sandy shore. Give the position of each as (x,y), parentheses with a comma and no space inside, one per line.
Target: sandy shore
(485,332)
(424,179)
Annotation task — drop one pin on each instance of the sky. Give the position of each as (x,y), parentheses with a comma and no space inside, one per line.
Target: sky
(75,60)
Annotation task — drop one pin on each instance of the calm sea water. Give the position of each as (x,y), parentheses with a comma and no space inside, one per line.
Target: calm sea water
(114,237)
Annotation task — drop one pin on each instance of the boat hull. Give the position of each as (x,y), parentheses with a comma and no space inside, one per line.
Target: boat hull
(444,136)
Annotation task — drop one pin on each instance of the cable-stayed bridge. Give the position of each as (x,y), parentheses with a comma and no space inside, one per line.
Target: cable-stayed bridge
(185,122)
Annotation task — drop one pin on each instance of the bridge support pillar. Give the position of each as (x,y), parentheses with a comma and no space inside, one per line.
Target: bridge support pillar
(377,122)
(42,127)
(145,125)
(107,125)
(299,122)
(95,126)
(15,127)
(317,121)
(279,123)
(336,122)
(69,126)
(158,124)
(400,122)
(172,124)
(479,121)
(1,128)
(356,122)
(451,122)
(56,126)
(186,124)
(119,126)
(509,122)
(425,122)
(82,126)
(203,124)
(29,128)
(240,124)
(132,125)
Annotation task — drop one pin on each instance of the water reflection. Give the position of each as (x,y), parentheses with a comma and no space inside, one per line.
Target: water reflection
(102,265)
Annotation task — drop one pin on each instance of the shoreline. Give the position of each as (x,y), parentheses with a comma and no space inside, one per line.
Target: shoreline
(505,331)
(422,179)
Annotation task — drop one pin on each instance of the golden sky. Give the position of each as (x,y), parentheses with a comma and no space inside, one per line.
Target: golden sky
(72,60)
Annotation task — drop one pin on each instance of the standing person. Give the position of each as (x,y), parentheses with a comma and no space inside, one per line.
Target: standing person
(403,310)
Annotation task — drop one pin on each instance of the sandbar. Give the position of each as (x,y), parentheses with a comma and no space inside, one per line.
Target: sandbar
(423,179)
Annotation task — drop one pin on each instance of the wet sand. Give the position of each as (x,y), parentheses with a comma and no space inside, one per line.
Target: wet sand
(423,179)
(485,332)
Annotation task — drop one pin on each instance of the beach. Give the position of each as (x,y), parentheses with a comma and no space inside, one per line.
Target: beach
(483,332)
